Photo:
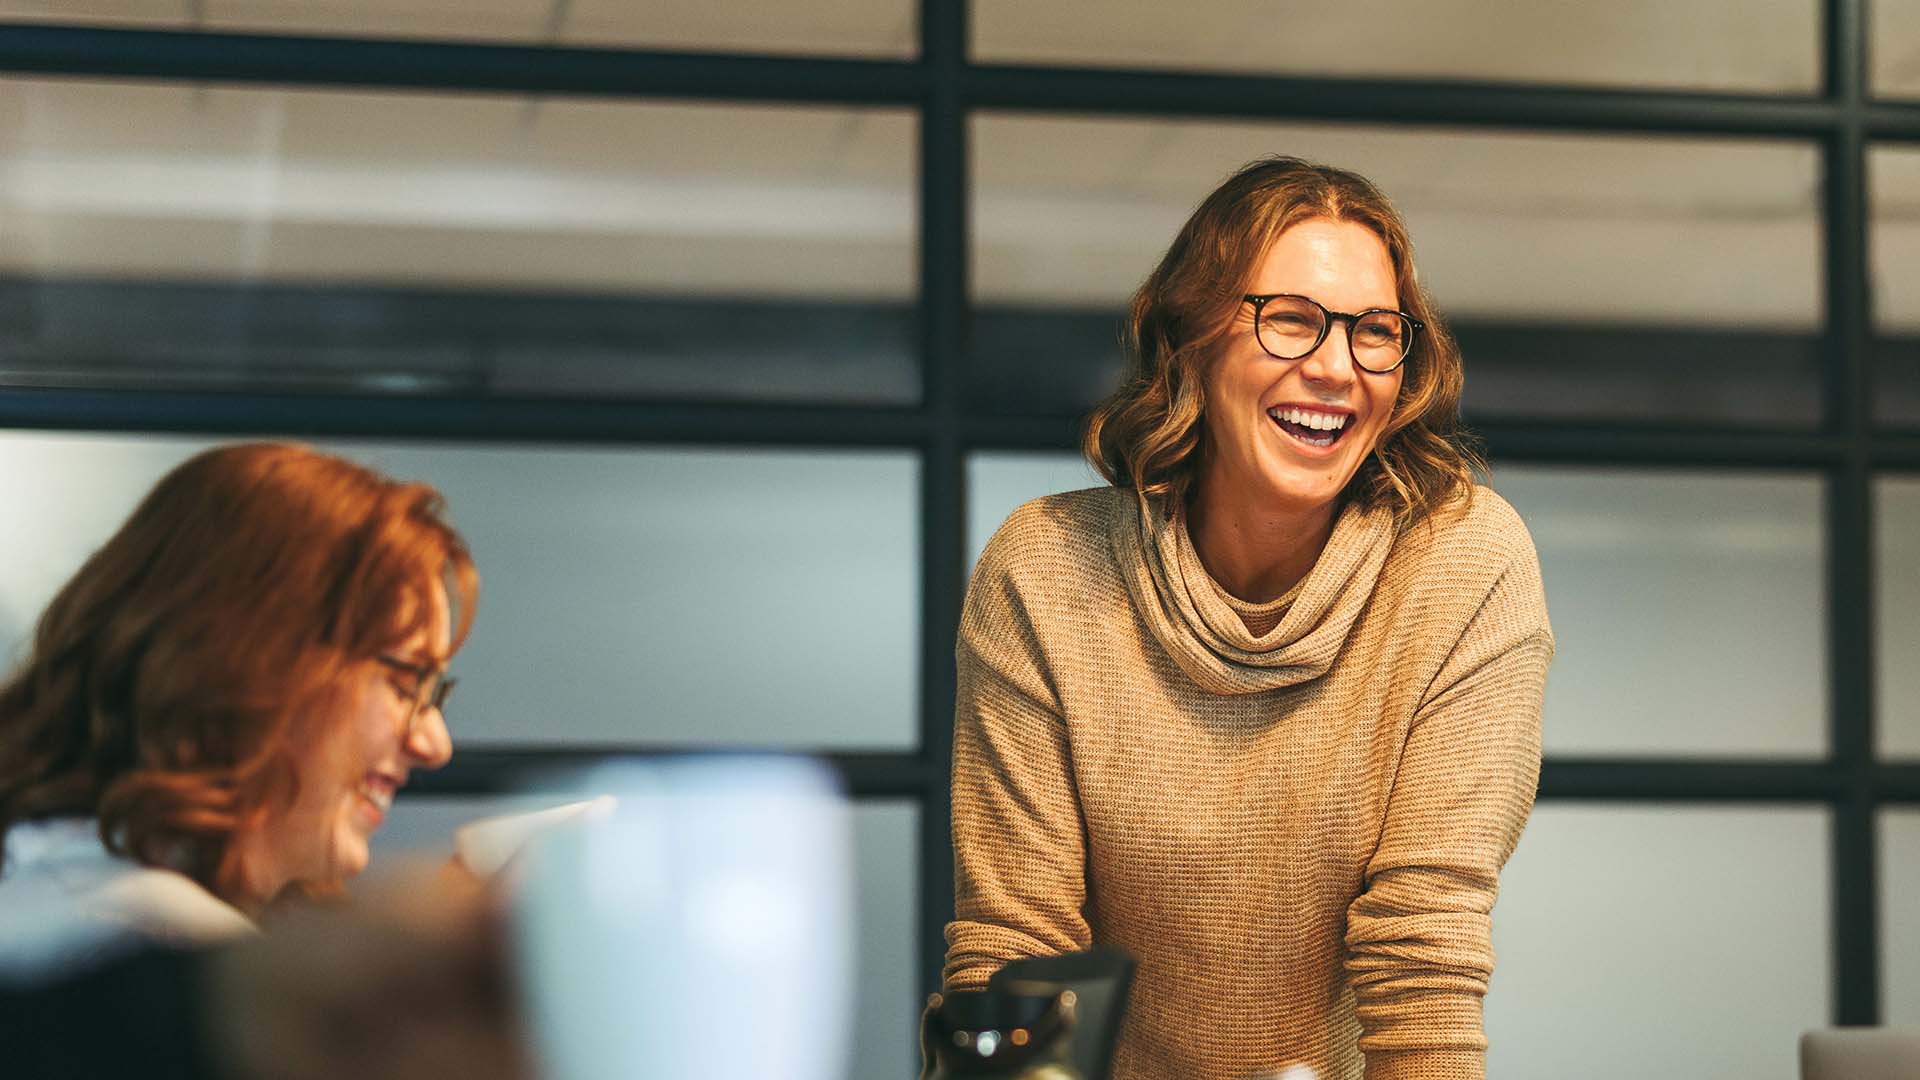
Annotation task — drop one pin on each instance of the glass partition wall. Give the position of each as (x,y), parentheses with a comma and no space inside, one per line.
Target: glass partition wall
(732,333)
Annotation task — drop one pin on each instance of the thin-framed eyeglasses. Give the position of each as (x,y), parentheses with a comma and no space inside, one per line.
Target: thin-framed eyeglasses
(431,687)
(1289,327)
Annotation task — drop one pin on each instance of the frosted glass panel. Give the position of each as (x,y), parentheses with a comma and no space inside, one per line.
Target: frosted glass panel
(1662,942)
(1075,210)
(1896,615)
(1072,212)
(1894,47)
(1756,44)
(378,242)
(1900,916)
(999,482)
(1689,609)
(886,843)
(1893,244)
(630,596)
(1894,236)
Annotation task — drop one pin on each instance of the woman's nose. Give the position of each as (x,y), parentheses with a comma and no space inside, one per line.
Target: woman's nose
(428,741)
(1332,362)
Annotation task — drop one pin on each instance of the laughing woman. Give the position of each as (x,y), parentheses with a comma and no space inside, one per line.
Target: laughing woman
(219,707)
(1265,712)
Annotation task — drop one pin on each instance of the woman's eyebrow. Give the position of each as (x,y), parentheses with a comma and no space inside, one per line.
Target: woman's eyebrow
(425,662)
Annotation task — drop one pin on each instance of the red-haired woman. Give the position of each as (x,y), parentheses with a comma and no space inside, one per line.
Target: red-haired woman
(1264,713)
(220,705)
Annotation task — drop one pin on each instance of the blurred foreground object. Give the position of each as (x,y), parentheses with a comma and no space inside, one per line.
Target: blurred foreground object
(698,924)
(701,928)
(1860,1054)
(489,845)
(403,985)
(411,981)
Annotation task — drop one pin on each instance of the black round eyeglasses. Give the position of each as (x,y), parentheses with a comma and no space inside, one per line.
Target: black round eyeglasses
(431,686)
(1289,327)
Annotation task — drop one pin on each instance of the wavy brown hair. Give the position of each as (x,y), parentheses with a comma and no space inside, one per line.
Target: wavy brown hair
(175,680)
(1149,435)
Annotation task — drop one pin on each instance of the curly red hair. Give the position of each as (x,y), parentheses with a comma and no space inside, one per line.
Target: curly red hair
(175,680)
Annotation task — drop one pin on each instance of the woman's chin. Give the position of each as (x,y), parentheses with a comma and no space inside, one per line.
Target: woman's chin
(1297,493)
(350,854)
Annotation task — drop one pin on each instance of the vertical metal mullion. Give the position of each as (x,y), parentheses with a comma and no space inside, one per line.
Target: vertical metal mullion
(1850,523)
(943,321)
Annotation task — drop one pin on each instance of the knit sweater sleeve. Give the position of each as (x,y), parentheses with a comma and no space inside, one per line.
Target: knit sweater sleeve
(1419,937)
(1018,837)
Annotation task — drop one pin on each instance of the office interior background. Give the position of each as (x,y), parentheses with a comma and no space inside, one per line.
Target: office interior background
(731,331)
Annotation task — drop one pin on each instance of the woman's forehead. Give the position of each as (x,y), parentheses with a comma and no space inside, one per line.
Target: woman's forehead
(432,635)
(1321,255)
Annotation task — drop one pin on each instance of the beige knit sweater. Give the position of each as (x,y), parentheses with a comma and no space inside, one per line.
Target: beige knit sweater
(1299,836)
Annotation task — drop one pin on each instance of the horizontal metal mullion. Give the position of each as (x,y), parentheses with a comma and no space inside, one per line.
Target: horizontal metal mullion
(200,56)
(450,65)
(1893,120)
(1396,101)
(479,419)
(483,770)
(1895,451)
(1601,444)
(1898,782)
(984,432)
(563,420)
(1690,781)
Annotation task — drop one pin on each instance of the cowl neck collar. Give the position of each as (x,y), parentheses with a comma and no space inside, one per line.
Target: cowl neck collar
(1192,621)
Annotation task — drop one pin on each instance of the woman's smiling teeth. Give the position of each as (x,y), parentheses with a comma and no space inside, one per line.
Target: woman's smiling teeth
(1310,426)
(378,790)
